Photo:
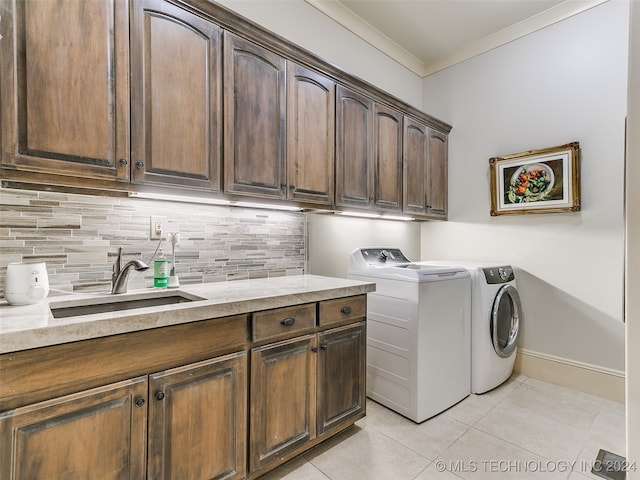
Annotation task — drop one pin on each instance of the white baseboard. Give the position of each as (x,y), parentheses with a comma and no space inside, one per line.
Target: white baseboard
(604,382)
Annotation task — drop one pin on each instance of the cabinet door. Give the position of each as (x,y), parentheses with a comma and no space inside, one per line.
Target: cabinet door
(176,88)
(415,156)
(64,88)
(341,376)
(197,420)
(388,158)
(354,149)
(255,108)
(97,434)
(437,174)
(282,399)
(310,135)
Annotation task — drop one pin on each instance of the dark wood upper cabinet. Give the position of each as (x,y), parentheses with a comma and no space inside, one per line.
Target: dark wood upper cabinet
(424,170)
(415,148)
(354,148)
(64,88)
(387,158)
(368,153)
(255,111)
(437,177)
(310,135)
(176,82)
(187,96)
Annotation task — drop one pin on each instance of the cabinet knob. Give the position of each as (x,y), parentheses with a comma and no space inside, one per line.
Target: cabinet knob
(314,349)
(323,346)
(139,402)
(139,164)
(346,310)
(159,395)
(287,322)
(123,161)
(292,187)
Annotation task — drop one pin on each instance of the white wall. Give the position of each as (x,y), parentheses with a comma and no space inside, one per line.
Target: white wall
(564,83)
(332,238)
(633,245)
(302,24)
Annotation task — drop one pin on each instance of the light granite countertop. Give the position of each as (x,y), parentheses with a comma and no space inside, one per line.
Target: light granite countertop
(33,326)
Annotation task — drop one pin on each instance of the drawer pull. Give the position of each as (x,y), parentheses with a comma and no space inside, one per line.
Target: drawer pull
(139,402)
(287,322)
(346,310)
(159,395)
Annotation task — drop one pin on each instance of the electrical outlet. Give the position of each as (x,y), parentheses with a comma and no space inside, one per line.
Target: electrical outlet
(157,227)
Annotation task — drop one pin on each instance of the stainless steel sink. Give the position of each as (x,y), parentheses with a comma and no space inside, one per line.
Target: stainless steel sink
(113,304)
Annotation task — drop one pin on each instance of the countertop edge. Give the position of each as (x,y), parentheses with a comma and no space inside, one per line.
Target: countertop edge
(270,293)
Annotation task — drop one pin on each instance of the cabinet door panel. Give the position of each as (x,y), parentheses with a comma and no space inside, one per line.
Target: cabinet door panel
(415,151)
(176,78)
(388,158)
(310,135)
(97,434)
(197,420)
(354,149)
(65,100)
(255,108)
(341,376)
(283,392)
(437,174)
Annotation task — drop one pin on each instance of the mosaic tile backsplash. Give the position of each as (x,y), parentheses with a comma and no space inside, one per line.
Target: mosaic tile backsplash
(78,237)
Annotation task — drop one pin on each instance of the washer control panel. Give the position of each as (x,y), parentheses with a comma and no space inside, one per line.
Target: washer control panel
(383,256)
(502,274)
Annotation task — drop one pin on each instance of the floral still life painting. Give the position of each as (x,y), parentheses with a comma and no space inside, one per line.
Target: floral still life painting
(536,181)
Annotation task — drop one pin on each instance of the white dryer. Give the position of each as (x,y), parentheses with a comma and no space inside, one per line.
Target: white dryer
(418,332)
(496,318)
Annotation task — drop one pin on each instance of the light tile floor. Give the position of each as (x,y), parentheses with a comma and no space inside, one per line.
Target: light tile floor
(524,429)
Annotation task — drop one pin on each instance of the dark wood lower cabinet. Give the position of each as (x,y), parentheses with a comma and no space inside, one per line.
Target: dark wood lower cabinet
(282,399)
(341,371)
(99,434)
(211,399)
(304,389)
(197,420)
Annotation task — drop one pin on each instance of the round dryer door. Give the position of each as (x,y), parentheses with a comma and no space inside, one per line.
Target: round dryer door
(505,321)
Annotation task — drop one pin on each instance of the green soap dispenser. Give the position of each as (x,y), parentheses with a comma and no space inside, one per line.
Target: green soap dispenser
(160,272)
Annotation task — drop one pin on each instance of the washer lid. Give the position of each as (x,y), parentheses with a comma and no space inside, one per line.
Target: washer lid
(383,262)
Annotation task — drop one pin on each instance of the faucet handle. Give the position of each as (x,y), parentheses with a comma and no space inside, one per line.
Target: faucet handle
(117,265)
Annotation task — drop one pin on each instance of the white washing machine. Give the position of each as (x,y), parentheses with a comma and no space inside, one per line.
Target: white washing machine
(418,332)
(496,318)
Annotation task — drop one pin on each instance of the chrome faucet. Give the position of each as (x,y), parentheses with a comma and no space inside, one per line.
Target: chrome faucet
(120,273)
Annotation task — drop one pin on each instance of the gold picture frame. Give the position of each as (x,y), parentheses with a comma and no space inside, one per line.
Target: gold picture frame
(536,181)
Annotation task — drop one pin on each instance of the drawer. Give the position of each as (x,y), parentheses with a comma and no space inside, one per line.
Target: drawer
(281,321)
(343,309)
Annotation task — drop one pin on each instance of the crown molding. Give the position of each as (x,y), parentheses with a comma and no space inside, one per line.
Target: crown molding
(355,24)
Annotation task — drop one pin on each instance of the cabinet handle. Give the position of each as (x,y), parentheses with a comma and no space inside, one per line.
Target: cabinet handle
(287,322)
(292,187)
(314,349)
(139,402)
(346,310)
(323,346)
(123,161)
(159,395)
(139,164)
